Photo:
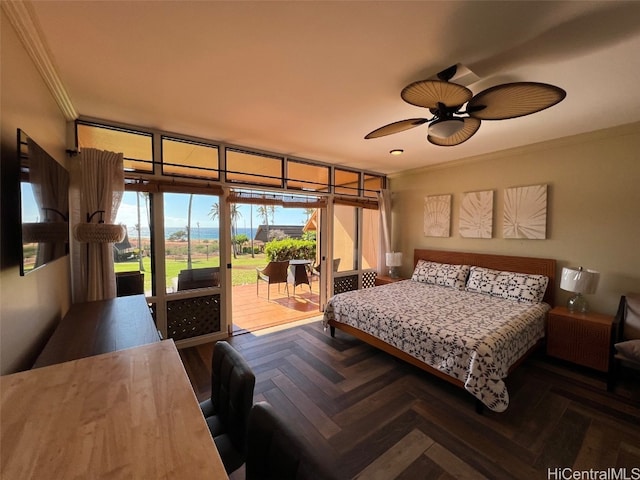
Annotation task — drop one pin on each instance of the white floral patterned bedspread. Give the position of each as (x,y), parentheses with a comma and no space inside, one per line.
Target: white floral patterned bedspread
(472,337)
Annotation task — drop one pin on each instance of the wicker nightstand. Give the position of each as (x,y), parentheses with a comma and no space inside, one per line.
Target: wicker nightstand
(384,279)
(582,338)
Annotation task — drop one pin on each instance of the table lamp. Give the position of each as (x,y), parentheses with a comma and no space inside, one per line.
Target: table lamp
(579,280)
(394,260)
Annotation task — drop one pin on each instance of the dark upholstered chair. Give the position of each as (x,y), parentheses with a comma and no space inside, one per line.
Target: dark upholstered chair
(227,411)
(625,352)
(199,278)
(276,452)
(129,283)
(274,272)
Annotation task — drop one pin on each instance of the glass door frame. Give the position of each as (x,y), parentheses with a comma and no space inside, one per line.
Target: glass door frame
(161,297)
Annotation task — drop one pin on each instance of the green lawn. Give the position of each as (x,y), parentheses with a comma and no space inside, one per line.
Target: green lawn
(243,271)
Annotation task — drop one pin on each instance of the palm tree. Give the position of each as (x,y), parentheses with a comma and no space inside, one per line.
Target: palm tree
(235,215)
(253,253)
(189,232)
(264,212)
(214,213)
(308,212)
(138,227)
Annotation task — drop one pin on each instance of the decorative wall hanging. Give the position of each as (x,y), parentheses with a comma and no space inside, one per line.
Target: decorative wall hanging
(437,215)
(525,212)
(476,214)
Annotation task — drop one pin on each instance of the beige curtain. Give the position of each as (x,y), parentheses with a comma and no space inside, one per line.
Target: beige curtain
(384,207)
(97,185)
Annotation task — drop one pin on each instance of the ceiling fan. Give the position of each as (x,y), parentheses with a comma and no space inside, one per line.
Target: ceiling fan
(450,124)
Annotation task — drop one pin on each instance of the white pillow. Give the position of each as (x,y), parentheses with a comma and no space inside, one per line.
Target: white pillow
(630,349)
(443,274)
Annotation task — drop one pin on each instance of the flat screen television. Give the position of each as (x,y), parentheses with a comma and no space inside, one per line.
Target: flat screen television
(44,205)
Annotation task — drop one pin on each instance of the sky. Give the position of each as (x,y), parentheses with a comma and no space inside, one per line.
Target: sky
(176,207)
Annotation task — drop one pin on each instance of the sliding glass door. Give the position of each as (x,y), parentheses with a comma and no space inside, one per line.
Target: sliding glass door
(194,275)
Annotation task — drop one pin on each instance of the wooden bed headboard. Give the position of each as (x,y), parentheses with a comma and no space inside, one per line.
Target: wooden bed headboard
(536,266)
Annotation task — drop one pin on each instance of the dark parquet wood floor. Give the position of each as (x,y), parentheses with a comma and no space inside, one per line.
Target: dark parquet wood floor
(374,417)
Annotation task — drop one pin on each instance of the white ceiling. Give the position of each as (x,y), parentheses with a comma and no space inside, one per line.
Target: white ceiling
(311,78)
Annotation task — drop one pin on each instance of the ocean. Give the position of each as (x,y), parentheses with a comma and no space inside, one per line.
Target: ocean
(202,233)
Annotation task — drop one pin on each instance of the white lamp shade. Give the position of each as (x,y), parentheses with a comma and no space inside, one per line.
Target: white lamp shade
(579,280)
(394,259)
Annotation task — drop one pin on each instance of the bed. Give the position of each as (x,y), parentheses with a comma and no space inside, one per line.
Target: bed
(467,318)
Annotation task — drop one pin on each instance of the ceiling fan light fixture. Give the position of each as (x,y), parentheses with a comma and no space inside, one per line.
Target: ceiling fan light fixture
(396,151)
(446,127)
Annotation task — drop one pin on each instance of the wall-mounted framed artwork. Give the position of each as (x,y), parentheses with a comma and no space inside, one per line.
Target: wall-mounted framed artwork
(525,212)
(437,215)
(476,214)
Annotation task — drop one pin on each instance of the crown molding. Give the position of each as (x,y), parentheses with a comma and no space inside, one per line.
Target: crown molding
(24,21)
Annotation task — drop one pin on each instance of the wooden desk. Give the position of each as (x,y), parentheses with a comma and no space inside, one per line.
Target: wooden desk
(92,328)
(125,414)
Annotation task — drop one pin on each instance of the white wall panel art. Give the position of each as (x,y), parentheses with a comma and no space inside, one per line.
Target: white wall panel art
(525,212)
(476,215)
(437,216)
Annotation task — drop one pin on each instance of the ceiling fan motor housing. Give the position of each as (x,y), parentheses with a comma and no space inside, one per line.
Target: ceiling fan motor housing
(446,127)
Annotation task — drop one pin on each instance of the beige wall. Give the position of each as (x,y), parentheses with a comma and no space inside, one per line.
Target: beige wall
(593,206)
(30,305)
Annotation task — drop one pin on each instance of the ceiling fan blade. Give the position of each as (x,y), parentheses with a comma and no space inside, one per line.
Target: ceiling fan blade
(512,100)
(396,127)
(428,93)
(448,73)
(471,126)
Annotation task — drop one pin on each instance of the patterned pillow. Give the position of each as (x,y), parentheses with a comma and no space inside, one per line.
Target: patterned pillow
(443,274)
(527,288)
(520,287)
(481,280)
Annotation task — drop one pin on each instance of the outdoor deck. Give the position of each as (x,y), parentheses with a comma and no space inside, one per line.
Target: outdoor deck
(253,312)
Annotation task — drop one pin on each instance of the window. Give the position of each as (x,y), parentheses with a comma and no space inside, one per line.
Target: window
(346,182)
(372,185)
(133,253)
(136,147)
(189,159)
(305,176)
(345,239)
(370,238)
(254,168)
(191,241)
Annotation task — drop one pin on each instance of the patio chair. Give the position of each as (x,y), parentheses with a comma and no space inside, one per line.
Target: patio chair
(199,278)
(129,283)
(274,272)
(336,264)
(314,272)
